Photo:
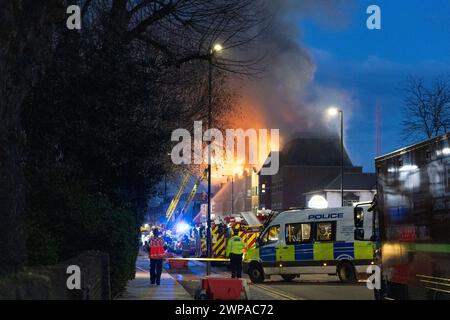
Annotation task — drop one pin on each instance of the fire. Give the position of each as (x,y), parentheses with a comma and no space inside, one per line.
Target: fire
(252,116)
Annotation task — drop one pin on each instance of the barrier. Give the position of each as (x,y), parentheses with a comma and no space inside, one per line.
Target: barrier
(199,259)
(222,288)
(178,264)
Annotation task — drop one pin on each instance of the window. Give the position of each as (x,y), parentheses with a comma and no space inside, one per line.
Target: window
(324,231)
(447,173)
(350,203)
(298,233)
(271,235)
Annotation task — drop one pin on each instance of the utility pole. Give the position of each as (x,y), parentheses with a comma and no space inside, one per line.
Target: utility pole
(208,229)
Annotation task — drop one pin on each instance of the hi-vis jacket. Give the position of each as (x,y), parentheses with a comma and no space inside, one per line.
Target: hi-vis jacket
(235,245)
(156,248)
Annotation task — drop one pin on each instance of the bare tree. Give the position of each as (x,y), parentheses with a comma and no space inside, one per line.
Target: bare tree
(427,108)
(181,31)
(172,36)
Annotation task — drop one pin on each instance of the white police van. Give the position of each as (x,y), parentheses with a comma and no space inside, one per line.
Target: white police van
(312,241)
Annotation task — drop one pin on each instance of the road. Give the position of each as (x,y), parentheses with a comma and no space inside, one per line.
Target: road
(307,287)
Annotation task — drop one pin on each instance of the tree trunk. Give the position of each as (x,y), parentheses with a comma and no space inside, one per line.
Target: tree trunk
(25,37)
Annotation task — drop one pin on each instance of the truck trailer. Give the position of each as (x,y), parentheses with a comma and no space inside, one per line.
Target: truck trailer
(411,221)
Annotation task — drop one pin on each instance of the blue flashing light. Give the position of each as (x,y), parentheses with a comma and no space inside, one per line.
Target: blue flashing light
(182,227)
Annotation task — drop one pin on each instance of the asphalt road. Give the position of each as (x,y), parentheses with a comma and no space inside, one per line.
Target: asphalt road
(319,287)
(307,287)
(310,287)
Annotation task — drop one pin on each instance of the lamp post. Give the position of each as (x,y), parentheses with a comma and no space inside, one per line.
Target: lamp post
(333,112)
(215,49)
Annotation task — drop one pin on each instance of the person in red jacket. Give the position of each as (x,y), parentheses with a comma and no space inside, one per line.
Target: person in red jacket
(156,254)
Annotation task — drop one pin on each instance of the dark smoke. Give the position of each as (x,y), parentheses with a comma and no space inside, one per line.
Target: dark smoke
(285,95)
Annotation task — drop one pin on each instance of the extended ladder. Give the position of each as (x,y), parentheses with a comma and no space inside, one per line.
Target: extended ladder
(191,197)
(176,199)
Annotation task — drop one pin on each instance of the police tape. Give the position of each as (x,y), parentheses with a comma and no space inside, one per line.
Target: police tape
(199,259)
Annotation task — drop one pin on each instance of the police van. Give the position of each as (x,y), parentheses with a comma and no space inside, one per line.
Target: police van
(313,241)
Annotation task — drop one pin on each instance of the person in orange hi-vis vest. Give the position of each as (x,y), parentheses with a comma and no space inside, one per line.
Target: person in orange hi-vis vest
(156,254)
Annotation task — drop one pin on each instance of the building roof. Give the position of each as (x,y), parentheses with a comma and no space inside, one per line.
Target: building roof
(354,181)
(313,150)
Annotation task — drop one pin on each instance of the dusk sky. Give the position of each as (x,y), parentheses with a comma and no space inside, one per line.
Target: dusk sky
(369,66)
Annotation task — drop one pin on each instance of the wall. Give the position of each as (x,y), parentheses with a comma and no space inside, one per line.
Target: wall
(49,282)
(292,182)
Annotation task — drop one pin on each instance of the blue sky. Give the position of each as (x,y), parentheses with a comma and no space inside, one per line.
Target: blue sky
(370,66)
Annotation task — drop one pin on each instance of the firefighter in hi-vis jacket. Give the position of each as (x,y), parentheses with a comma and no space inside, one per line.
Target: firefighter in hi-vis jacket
(156,254)
(235,249)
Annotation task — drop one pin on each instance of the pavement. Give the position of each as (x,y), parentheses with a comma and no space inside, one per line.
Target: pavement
(140,289)
(180,284)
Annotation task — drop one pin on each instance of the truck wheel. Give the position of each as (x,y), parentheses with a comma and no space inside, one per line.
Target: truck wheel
(256,273)
(346,272)
(377,295)
(203,296)
(288,277)
(200,294)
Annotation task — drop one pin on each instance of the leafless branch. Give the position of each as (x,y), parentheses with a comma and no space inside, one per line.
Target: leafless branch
(427,108)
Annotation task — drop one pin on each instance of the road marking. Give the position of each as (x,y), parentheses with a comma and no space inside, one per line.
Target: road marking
(436,289)
(438,283)
(430,277)
(200,259)
(277,292)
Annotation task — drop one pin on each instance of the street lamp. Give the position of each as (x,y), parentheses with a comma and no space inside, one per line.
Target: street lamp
(333,112)
(217,48)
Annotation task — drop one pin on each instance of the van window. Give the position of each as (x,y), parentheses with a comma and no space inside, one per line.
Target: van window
(271,235)
(324,231)
(298,233)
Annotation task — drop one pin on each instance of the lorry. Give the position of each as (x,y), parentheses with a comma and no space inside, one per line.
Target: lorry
(411,221)
(311,241)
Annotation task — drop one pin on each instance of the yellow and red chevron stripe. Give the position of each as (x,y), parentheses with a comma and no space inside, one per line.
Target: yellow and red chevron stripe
(219,247)
(250,239)
(203,244)
(218,242)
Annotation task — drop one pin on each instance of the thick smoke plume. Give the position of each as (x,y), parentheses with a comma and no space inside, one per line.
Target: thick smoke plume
(285,96)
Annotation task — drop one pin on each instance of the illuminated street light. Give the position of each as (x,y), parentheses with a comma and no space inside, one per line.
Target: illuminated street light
(318,202)
(333,112)
(217,48)
(182,227)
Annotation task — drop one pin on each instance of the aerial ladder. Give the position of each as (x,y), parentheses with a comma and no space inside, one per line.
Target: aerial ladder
(191,197)
(176,199)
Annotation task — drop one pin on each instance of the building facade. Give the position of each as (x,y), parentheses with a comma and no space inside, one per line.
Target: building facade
(308,163)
